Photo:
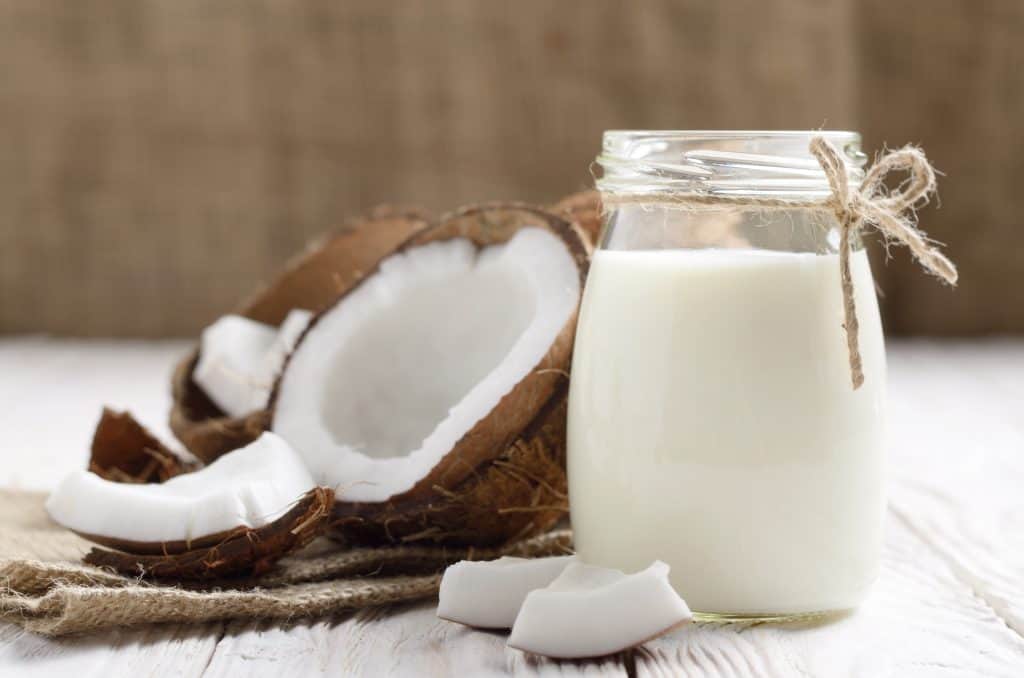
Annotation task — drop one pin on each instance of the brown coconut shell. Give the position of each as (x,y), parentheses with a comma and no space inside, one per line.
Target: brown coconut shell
(505,478)
(124,451)
(242,551)
(585,210)
(311,281)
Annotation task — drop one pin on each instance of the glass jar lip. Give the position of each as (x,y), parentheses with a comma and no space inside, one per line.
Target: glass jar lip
(735,162)
(830,134)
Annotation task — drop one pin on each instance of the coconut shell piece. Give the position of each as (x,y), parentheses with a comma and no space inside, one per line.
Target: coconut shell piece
(311,281)
(243,551)
(584,209)
(124,451)
(505,479)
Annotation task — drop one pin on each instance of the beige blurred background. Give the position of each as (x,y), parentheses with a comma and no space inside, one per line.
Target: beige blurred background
(160,157)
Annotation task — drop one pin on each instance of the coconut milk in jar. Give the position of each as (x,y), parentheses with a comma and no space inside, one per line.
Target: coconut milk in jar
(712,420)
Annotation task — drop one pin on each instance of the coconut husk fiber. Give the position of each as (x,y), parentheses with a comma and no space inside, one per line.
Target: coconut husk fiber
(45,588)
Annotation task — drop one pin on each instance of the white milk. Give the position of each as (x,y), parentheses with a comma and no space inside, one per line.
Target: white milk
(712,425)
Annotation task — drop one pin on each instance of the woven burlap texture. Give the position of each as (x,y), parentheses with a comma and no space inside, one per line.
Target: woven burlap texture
(45,587)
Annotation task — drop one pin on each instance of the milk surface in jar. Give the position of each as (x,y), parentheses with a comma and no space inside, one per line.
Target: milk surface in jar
(712,421)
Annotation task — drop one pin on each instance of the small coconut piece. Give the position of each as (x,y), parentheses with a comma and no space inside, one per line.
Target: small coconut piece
(249,488)
(487,594)
(239,359)
(287,335)
(312,280)
(231,352)
(411,392)
(241,551)
(590,611)
(125,452)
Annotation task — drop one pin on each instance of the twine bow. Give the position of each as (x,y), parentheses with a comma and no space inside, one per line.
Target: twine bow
(891,214)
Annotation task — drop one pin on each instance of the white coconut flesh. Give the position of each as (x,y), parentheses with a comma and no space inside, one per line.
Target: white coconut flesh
(248,487)
(590,611)
(285,338)
(239,359)
(488,594)
(385,383)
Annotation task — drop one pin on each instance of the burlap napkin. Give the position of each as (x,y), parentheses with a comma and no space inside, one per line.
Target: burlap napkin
(45,587)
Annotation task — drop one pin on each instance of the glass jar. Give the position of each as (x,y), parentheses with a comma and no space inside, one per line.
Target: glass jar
(712,421)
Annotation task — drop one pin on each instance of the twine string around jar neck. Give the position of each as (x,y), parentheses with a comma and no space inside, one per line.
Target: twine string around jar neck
(890,213)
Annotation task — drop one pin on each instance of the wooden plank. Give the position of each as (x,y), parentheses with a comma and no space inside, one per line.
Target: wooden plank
(404,641)
(180,651)
(957,433)
(921,620)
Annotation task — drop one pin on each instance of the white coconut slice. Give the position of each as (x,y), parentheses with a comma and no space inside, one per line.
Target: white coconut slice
(250,487)
(230,354)
(593,611)
(287,336)
(487,594)
(389,380)
(239,359)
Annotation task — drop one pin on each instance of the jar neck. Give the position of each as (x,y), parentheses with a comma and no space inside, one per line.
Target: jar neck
(728,163)
(657,227)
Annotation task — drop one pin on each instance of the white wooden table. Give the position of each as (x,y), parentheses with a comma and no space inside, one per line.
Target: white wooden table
(950,600)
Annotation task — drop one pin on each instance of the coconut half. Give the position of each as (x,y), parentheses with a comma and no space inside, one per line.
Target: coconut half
(487,594)
(393,377)
(311,281)
(409,394)
(590,611)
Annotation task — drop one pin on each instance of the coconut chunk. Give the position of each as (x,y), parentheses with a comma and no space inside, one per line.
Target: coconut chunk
(239,359)
(249,488)
(390,379)
(230,353)
(593,611)
(287,336)
(488,594)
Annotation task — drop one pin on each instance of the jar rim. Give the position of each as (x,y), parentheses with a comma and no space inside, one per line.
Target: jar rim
(724,162)
(704,133)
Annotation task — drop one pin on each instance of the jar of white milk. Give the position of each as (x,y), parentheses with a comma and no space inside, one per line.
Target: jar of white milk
(712,420)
